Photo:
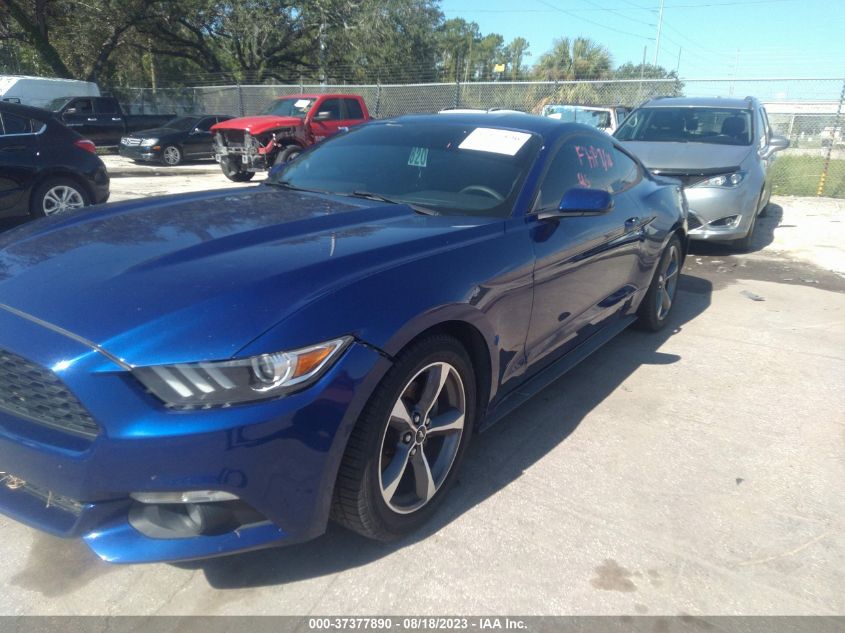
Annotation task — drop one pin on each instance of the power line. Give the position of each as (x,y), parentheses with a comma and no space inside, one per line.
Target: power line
(593,22)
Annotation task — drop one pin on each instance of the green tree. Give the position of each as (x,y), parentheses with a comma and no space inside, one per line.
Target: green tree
(515,54)
(581,58)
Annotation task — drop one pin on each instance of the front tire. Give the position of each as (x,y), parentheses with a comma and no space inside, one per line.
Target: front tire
(171,156)
(233,172)
(403,453)
(660,297)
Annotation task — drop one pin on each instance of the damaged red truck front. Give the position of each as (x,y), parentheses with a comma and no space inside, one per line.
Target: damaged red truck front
(251,144)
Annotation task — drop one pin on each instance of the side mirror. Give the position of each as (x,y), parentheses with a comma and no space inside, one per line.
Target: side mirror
(580,202)
(325,115)
(778,143)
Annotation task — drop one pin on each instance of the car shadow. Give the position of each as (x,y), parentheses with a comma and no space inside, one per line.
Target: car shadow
(764,234)
(523,437)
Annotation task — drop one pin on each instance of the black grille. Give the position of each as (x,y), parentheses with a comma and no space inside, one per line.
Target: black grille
(35,393)
(234,137)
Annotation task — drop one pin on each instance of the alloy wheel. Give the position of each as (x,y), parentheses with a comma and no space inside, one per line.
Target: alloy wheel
(171,155)
(422,438)
(667,282)
(61,198)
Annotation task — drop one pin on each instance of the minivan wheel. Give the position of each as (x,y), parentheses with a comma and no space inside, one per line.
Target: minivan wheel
(746,244)
(57,195)
(403,453)
(660,297)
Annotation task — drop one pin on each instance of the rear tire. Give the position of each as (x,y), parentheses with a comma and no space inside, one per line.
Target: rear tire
(233,172)
(57,195)
(408,444)
(658,301)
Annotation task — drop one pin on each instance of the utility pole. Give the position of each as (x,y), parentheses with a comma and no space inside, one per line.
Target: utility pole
(678,66)
(659,28)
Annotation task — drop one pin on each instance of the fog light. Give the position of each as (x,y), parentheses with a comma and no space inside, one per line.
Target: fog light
(730,221)
(191,496)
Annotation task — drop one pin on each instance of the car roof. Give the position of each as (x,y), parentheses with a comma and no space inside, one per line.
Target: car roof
(545,127)
(29,112)
(701,102)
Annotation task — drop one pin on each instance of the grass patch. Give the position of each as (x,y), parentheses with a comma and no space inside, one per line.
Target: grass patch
(799,176)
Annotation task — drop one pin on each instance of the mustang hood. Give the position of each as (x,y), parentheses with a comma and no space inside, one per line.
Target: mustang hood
(683,157)
(257,124)
(197,277)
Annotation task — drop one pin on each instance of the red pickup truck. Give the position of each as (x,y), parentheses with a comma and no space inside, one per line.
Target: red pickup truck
(250,144)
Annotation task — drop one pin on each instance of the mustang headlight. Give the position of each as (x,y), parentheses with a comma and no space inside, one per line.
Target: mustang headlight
(723,180)
(149,142)
(228,382)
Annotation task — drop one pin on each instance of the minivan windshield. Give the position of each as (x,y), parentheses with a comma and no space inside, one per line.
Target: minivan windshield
(444,168)
(718,126)
(296,106)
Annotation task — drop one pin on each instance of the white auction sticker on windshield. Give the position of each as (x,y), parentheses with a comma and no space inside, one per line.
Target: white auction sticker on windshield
(301,103)
(488,139)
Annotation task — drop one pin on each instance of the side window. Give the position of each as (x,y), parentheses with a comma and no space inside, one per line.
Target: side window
(83,106)
(580,162)
(13,124)
(106,106)
(353,109)
(766,124)
(625,171)
(760,124)
(205,124)
(332,106)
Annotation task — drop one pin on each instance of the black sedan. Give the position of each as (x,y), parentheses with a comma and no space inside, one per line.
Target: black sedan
(182,138)
(45,168)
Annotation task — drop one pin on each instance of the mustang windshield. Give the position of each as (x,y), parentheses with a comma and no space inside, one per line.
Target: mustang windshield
(290,107)
(719,126)
(449,168)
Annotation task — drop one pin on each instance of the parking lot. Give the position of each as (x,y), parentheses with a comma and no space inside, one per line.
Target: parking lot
(694,471)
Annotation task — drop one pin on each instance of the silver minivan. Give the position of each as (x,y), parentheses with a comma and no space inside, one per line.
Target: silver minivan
(722,151)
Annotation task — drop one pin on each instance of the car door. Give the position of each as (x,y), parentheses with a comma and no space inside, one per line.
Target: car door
(79,115)
(109,124)
(198,142)
(587,267)
(327,118)
(18,162)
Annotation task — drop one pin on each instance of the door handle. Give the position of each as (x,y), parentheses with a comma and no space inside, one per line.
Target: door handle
(115,118)
(13,148)
(92,118)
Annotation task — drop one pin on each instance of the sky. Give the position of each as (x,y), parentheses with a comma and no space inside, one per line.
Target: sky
(714,38)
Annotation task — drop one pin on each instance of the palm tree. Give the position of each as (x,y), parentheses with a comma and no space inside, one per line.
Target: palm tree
(581,58)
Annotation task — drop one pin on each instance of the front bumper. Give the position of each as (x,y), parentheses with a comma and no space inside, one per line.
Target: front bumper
(136,152)
(280,457)
(709,205)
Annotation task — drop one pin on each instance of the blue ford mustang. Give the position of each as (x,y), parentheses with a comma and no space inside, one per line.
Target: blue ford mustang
(206,373)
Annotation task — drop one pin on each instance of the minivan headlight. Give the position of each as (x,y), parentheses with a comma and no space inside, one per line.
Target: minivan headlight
(222,383)
(723,180)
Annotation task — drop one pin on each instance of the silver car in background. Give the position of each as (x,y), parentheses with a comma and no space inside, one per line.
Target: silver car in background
(721,150)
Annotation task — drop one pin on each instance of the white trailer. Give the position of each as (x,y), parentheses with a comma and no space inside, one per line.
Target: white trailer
(40,91)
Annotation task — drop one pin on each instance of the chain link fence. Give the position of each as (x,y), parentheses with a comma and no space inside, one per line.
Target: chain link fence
(809,112)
